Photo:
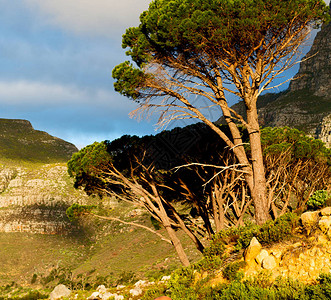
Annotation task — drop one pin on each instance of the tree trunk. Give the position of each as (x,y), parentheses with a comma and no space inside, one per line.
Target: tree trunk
(258,190)
(177,244)
(172,234)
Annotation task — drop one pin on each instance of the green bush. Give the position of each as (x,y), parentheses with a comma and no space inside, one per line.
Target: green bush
(181,284)
(231,270)
(268,233)
(126,277)
(216,248)
(208,263)
(318,200)
(154,292)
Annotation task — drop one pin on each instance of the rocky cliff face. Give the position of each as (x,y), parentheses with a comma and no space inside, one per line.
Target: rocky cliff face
(307,103)
(35,189)
(34,198)
(315,69)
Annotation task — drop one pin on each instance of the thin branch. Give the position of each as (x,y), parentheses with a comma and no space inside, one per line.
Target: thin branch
(133,224)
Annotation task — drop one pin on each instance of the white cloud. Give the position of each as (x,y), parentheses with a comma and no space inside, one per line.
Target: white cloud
(33,93)
(97,17)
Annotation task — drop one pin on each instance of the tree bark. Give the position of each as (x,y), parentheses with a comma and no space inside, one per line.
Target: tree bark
(259,189)
(175,240)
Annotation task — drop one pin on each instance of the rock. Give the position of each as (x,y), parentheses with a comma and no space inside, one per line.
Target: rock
(297,245)
(324,224)
(136,291)
(59,291)
(95,296)
(314,73)
(163,298)
(321,239)
(277,253)
(326,211)
(261,256)
(252,250)
(115,296)
(103,294)
(141,283)
(269,263)
(165,278)
(309,219)
(101,289)
(120,287)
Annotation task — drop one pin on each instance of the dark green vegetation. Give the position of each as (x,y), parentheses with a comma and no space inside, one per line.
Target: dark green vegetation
(20,142)
(240,237)
(187,55)
(318,200)
(296,166)
(258,288)
(184,283)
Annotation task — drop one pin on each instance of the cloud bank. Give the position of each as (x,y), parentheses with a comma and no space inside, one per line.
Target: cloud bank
(97,17)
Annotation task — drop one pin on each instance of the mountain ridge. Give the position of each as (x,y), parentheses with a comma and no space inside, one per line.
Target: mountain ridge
(19,141)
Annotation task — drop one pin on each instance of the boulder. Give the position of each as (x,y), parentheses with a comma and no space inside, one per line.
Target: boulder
(252,250)
(165,278)
(261,256)
(136,291)
(277,253)
(95,296)
(59,291)
(141,283)
(324,224)
(269,263)
(101,289)
(326,211)
(116,297)
(309,219)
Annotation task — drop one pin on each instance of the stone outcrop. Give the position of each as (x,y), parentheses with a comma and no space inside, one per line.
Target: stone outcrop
(34,198)
(304,260)
(35,188)
(315,68)
(59,292)
(253,250)
(323,130)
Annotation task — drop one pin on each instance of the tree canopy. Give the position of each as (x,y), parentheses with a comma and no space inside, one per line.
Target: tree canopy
(188,53)
(181,33)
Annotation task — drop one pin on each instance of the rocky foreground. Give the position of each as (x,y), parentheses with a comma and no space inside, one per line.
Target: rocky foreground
(304,258)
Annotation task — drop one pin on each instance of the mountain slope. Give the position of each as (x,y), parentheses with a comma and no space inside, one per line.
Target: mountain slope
(20,141)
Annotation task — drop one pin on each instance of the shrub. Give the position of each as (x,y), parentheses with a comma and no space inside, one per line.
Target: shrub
(34,278)
(209,262)
(231,271)
(318,200)
(181,284)
(154,292)
(268,233)
(216,247)
(126,277)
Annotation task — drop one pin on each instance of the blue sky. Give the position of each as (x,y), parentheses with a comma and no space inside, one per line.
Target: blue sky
(56,58)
